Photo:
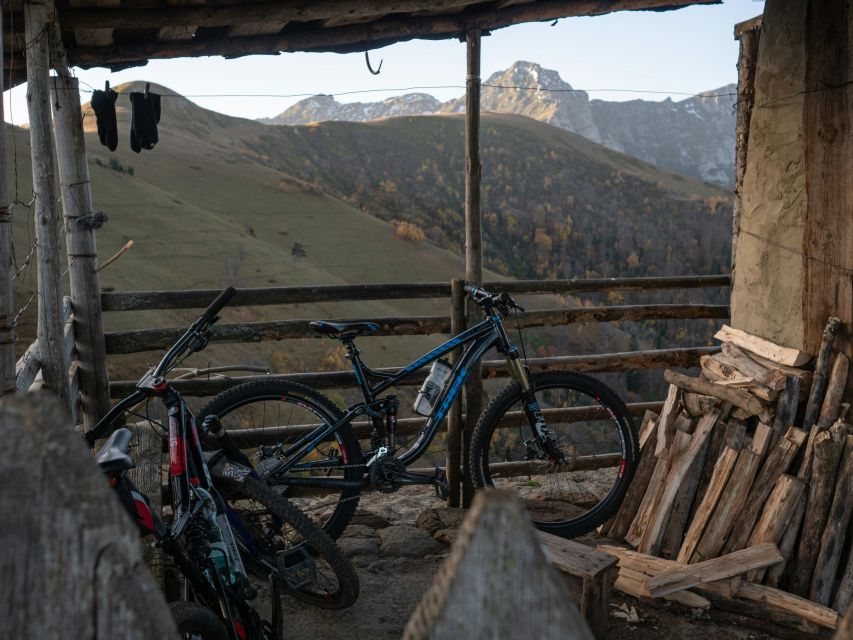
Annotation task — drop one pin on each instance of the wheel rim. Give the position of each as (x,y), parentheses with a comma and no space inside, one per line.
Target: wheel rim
(585,430)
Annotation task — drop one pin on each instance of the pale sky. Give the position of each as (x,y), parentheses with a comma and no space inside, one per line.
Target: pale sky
(685,51)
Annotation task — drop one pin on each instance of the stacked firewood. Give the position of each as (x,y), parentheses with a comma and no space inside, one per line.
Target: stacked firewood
(744,489)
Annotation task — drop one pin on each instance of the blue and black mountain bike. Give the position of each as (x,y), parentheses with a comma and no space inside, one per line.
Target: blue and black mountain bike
(563,440)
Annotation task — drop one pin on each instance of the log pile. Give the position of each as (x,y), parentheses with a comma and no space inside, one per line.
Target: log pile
(744,490)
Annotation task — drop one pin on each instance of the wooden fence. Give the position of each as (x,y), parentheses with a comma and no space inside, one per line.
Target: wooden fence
(459,424)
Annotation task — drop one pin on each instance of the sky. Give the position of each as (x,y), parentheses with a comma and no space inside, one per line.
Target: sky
(647,55)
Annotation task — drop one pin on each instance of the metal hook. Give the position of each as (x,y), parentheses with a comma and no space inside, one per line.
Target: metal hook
(369,68)
(554,24)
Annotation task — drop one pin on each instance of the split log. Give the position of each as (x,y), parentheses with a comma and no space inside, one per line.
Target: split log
(666,422)
(835,534)
(844,630)
(717,370)
(827,453)
(844,594)
(633,583)
(679,467)
(737,358)
(647,428)
(727,566)
(636,490)
(728,507)
(698,405)
(71,564)
(761,439)
(644,511)
(679,515)
(732,436)
(764,348)
(789,603)
(819,378)
(771,526)
(773,577)
(719,480)
(834,391)
(742,399)
(776,464)
(786,408)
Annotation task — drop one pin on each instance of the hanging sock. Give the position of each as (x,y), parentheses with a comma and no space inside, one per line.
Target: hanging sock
(145,115)
(104,106)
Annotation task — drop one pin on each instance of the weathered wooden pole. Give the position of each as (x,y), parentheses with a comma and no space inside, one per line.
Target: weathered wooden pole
(455,429)
(747,33)
(473,239)
(80,224)
(7,267)
(46,210)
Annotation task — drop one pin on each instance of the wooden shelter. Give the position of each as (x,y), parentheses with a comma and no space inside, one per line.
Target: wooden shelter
(118,34)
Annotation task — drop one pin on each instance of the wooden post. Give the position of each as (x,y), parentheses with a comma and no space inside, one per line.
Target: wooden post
(747,34)
(46,209)
(82,253)
(454,418)
(497,570)
(473,239)
(7,267)
(70,541)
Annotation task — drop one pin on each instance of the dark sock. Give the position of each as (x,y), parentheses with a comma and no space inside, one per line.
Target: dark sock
(145,115)
(104,106)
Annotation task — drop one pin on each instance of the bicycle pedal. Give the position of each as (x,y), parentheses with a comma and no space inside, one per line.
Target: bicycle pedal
(440,483)
(296,567)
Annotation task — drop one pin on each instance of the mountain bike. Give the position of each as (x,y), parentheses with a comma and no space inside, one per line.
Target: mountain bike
(227,524)
(563,440)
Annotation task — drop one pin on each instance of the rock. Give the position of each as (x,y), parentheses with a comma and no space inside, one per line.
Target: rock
(432,520)
(446,536)
(359,540)
(369,519)
(407,542)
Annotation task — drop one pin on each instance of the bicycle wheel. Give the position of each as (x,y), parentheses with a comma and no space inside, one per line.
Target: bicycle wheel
(588,423)
(196,622)
(296,410)
(281,532)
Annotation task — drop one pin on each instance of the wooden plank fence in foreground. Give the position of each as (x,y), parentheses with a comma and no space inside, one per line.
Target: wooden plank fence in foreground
(71,564)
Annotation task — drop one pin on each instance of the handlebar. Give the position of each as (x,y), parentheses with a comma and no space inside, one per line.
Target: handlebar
(217,305)
(503,302)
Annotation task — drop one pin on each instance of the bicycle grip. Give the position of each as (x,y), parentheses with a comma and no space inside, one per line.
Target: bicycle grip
(216,306)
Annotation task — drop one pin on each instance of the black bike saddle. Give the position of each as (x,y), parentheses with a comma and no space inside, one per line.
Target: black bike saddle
(343,329)
(113,455)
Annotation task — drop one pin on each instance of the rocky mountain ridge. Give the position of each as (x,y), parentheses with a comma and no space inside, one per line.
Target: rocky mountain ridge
(693,137)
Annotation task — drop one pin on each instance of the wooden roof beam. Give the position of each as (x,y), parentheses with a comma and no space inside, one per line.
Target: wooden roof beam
(356,38)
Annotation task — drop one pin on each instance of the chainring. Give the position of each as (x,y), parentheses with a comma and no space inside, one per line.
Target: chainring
(383,474)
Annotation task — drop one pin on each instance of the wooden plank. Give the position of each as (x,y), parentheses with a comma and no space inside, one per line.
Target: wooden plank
(135,341)
(679,466)
(180,31)
(454,417)
(720,477)
(773,576)
(634,584)
(496,546)
(744,400)
(764,348)
(590,573)
(727,566)
(644,512)
(46,217)
(94,37)
(778,462)
(835,533)
(200,298)
(46,555)
(789,603)
(728,506)
(85,285)
(776,516)
(732,436)
(827,455)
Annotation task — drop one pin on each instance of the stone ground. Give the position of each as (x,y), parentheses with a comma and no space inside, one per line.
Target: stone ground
(397,541)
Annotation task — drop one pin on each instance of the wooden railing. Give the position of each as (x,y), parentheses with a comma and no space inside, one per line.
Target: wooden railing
(459,426)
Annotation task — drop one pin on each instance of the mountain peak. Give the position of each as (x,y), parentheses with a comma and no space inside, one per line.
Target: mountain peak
(529,74)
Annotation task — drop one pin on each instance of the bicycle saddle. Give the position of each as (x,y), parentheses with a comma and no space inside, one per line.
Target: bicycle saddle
(343,329)
(113,455)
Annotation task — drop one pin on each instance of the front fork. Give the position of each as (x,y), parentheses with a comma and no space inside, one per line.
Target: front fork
(532,409)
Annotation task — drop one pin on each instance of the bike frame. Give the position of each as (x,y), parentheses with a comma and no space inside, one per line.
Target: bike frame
(483,336)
